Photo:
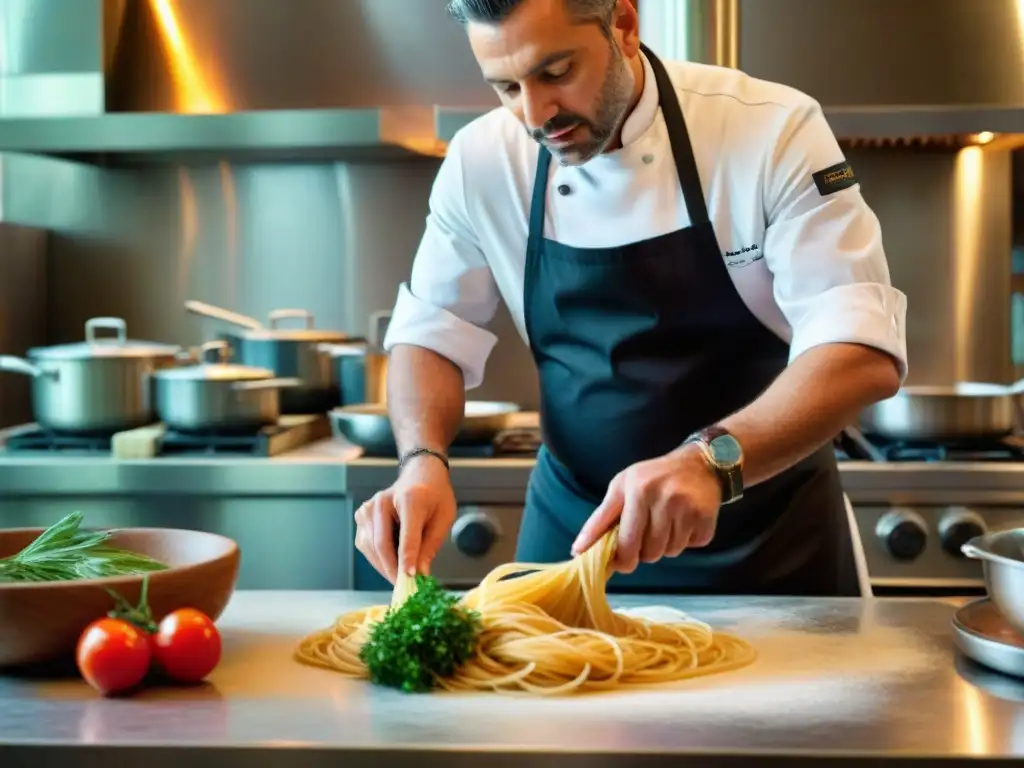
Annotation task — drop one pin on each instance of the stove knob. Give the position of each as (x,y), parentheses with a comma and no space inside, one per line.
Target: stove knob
(957,528)
(474,534)
(904,534)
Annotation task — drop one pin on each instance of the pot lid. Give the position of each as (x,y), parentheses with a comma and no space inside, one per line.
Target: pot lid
(216,372)
(96,346)
(314,335)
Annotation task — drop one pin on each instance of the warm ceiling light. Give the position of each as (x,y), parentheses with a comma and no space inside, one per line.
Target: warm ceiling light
(984,137)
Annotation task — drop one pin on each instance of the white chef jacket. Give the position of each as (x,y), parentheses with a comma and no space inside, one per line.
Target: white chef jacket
(809,266)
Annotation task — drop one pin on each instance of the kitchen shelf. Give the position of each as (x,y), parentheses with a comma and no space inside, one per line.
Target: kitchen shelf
(385,133)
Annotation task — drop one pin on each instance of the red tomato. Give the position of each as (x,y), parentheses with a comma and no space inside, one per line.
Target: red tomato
(113,655)
(187,645)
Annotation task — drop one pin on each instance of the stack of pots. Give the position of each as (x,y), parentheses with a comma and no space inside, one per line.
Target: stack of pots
(97,387)
(288,352)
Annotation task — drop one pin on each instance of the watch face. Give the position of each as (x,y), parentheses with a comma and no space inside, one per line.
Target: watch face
(726,451)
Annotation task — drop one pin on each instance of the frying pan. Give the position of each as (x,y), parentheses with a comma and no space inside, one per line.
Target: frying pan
(368,426)
(962,411)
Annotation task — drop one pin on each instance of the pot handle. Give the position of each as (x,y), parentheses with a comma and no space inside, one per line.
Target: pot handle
(972,550)
(12,364)
(116,324)
(274,318)
(221,348)
(224,315)
(249,386)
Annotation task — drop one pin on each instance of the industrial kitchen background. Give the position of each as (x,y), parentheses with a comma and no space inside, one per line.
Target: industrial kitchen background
(261,154)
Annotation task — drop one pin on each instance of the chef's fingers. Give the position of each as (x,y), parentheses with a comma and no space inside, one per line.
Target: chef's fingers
(433,538)
(657,533)
(602,518)
(679,539)
(702,531)
(383,515)
(364,536)
(414,507)
(632,525)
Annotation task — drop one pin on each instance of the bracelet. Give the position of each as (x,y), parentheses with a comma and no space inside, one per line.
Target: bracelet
(422,452)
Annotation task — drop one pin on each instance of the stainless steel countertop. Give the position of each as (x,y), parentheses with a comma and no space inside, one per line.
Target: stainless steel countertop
(836,678)
(333,466)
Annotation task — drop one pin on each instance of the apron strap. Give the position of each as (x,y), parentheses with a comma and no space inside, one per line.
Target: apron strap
(679,138)
(538,204)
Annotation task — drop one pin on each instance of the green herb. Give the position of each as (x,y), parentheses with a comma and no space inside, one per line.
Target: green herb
(65,553)
(428,637)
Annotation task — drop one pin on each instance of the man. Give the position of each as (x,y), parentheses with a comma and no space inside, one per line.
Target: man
(703,289)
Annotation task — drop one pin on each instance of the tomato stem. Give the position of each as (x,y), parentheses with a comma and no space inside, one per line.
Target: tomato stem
(140,615)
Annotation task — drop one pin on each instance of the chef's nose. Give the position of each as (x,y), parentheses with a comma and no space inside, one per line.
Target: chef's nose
(537,106)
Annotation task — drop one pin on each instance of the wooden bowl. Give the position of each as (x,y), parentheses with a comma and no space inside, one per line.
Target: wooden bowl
(42,621)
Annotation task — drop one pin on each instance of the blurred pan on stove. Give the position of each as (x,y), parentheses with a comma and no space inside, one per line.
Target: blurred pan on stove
(368,426)
(961,412)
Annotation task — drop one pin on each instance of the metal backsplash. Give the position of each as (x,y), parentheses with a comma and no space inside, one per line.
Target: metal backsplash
(855,52)
(51,58)
(335,239)
(234,55)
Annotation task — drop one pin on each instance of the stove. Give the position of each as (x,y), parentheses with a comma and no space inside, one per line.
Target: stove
(154,441)
(916,503)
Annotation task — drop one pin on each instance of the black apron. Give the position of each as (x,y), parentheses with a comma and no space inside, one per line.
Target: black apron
(637,347)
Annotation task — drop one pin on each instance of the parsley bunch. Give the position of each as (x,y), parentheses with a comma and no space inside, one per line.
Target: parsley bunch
(427,637)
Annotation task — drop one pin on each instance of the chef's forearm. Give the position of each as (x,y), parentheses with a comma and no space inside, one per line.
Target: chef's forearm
(818,394)
(426,398)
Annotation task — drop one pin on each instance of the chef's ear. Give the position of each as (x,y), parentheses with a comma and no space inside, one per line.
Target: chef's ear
(625,27)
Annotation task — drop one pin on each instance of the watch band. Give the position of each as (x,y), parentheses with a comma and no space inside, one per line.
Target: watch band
(411,454)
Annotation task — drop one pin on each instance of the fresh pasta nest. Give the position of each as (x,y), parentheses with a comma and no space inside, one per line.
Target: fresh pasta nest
(549,630)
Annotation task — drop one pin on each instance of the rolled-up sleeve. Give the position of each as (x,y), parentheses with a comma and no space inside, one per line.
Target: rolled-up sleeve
(452,293)
(824,247)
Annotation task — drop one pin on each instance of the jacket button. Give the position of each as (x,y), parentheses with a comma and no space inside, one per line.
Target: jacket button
(563,189)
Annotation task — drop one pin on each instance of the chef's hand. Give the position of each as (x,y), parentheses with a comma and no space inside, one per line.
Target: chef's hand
(662,505)
(421,504)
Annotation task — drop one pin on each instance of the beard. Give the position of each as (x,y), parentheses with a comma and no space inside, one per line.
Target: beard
(597,132)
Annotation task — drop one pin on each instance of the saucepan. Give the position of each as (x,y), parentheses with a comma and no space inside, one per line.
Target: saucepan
(288,352)
(218,396)
(1002,556)
(963,411)
(100,386)
(368,426)
(362,367)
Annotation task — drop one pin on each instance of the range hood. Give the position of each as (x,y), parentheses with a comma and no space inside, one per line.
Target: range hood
(265,79)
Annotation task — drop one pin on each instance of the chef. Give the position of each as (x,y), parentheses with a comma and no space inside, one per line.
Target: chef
(704,291)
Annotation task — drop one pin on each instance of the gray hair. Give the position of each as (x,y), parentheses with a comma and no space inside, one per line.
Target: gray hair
(496,11)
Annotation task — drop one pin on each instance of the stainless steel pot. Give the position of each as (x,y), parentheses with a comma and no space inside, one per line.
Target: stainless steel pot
(362,372)
(369,427)
(218,396)
(289,352)
(965,411)
(1002,556)
(99,386)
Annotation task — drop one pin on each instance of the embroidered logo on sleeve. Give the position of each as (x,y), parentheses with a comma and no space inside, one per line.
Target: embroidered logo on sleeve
(835,178)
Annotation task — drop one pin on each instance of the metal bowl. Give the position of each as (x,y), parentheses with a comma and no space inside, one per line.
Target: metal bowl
(367,425)
(1002,556)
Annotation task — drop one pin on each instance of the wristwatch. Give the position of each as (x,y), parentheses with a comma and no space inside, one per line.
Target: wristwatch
(724,455)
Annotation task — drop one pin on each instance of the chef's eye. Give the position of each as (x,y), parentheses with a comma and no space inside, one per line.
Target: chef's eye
(558,73)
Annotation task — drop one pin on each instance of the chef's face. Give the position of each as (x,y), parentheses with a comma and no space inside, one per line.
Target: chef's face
(570,83)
